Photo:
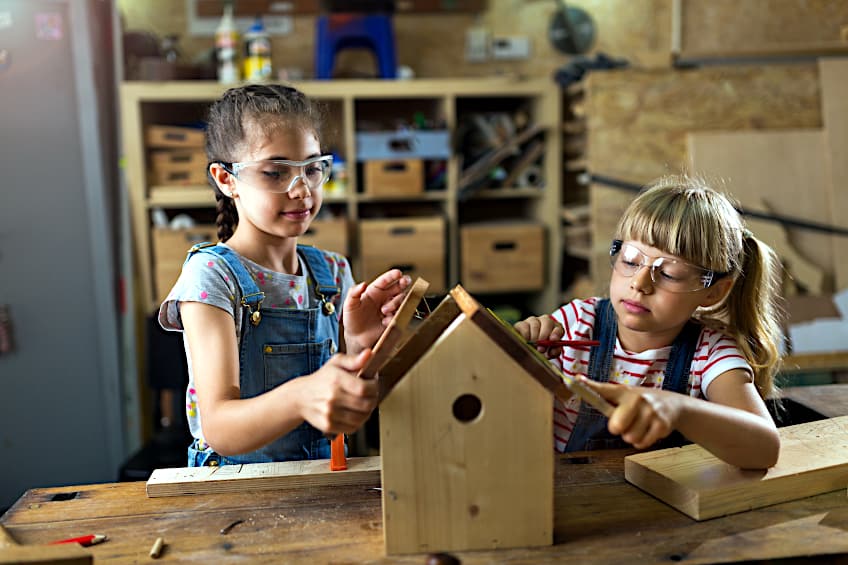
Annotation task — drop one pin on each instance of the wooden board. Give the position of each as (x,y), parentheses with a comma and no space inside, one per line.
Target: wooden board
(363,471)
(721,29)
(813,460)
(394,332)
(764,171)
(834,92)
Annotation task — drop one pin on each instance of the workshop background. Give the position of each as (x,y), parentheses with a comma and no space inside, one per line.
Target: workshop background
(491,143)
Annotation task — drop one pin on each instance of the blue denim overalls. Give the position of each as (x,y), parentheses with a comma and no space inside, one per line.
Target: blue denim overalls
(277,345)
(590,429)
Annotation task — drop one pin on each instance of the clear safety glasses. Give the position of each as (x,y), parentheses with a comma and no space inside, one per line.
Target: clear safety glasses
(281,175)
(666,273)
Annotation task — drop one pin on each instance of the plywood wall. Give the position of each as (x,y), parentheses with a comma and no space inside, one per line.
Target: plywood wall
(434,45)
(638,122)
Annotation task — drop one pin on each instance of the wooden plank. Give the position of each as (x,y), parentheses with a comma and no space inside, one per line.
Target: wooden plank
(761,28)
(813,460)
(361,471)
(763,170)
(834,87)
(392,335)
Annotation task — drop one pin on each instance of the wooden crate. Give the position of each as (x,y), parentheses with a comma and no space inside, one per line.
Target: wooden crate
(169,252)
(394,177)
(327,234)
(173,136)
(502,257)
(178,160)
(173,176)
(414,245)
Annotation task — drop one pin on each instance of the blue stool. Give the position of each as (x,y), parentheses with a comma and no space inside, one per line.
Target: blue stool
(339,31)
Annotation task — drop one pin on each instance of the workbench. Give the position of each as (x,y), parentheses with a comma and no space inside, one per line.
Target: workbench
(599,518)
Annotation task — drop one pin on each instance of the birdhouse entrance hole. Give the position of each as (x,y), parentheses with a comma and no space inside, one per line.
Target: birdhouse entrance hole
(467,407)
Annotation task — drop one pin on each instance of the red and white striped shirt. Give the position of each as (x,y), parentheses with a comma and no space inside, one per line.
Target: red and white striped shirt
(716,354)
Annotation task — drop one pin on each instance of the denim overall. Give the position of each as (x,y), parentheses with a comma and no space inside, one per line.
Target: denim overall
(277,345)
(590,430)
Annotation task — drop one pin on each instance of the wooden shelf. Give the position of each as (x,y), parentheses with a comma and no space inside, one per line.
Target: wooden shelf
(147,103)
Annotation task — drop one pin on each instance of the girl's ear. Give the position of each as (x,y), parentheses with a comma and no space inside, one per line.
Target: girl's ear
(717,292)
(224,180)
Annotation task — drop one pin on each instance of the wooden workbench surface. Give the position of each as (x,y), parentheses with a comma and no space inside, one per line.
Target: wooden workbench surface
(599,518)
(828,400)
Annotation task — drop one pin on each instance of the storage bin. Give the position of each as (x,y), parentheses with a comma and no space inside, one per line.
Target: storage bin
(502,257)
(394,177)
(416,246)
(403,144)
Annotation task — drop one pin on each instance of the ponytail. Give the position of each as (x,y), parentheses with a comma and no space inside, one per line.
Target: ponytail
(754,313)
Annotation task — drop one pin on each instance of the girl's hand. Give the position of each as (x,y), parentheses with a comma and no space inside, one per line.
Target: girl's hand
(368,309)
(642,416)
(333,399)
(541,327)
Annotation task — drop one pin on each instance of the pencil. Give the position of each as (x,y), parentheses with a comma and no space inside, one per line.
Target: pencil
(85,541)
(562,342)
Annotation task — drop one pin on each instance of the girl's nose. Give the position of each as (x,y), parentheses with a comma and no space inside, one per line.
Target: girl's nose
(642,280)
(298,188)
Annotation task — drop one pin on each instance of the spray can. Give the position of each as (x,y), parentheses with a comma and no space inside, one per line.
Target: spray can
(257,52)
(226,46)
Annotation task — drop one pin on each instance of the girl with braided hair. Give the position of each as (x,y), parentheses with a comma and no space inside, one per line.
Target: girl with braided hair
(274,332)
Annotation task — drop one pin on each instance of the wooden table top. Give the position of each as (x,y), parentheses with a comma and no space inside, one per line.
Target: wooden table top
(599,518)
(828,400)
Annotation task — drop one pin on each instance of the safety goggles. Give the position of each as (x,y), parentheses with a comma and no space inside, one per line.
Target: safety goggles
(281,175)
(666,273)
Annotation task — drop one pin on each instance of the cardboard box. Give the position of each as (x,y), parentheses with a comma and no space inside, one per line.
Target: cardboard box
(416,246)
(502,257)
(330,235)
(169,252)
(394,177)
(173,136)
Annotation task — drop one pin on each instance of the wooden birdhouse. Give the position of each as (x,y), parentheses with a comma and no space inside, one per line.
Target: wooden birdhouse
(466,435)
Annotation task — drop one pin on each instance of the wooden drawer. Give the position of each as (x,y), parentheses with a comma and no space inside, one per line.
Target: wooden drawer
(330,235)
(414,245)
(502,257)
(395,177)
(173,136)
(169,252)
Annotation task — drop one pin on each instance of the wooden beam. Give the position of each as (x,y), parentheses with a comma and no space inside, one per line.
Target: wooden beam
(813,460)
(361,471)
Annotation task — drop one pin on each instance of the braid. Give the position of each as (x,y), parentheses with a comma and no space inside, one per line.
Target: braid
(227,218)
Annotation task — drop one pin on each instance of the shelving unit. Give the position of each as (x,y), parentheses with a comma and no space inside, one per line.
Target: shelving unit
(351,103)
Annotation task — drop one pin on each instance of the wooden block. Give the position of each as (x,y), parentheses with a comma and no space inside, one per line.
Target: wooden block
(364,471)
(813,460)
